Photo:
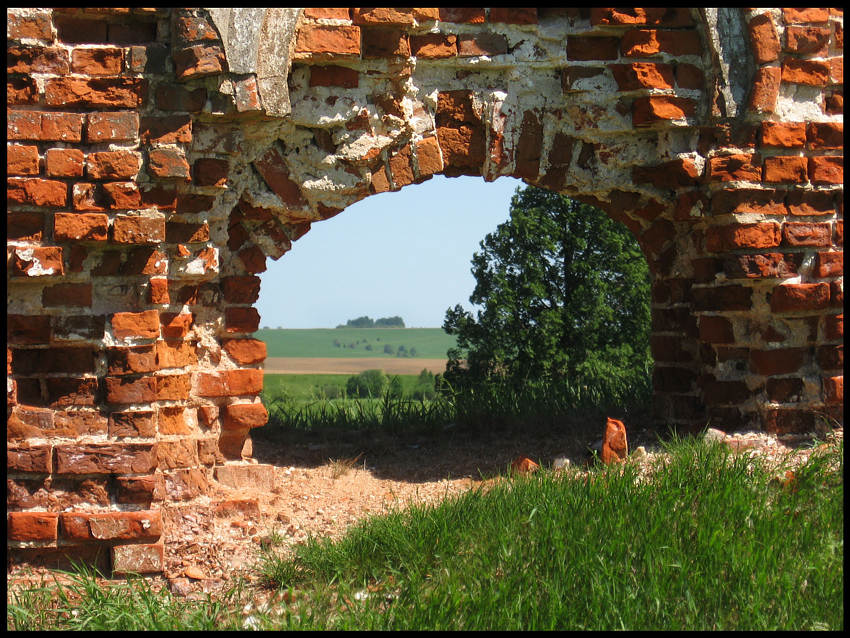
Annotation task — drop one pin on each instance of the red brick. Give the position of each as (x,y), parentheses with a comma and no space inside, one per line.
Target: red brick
(715,330)
(67,295)
(122,195)
(37,261)
(175,354)
(807,40)
(96,92)
(25,226)
(112,164)
(741,167)
(468,15)
(474,44)
(100,61)
(675,174)
(144,325)
(648,110)
(327,40)
(64,162)
(382,16)
(811,72)
(826,170)
(188,233)
(166,130)
(176,325)
(131,360)
(32,526)
(177,98)
(229,383)
(272,167)
(71,391)
(136,423)
(80,30)
(796,297)
(143,525)
(834,327)
(21,90)
(434,45)
(211,172)
(401,167)
(689,76)
(802,16)
(785,169)
(722,298)
(316,13)
(44,126)
(198,61)
(830,357)
(765,89)
(428,156)
(88,197)
(642,75)
(138,559)
(836,70)
(830,264)
(764,40)
(833,389)
(789,421)
(173,421)
(32,25)
(243,289)
(192,29)
(56,359)
(806,234)
(810,203)
(334,76)
(592,48)
(138,229)
(36,59)
(158,291)
(124,458)
(34,459)
(121,390)
(245,351)
(173,387)
(783,134)
(241,320)
(646,42)
(36,192)
(27,328)
(168,163)
(826,134)
(242,416)
(246,94)
(21,160)
(513,15)
(773,362)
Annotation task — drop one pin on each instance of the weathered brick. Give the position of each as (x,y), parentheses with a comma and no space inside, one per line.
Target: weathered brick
(36,192)
(468,15)
(136,423)
(796,297)
(99,61)
(21,160)
(810,72)
(384,43)
(131,360)
(783,134)
(433,45)
(32,526)
(36,59)
(826,134)
(37,261)
(779,361)
(144,325)
(138,559)
(211,172)
(241,320)
(34,25)
(806,234)
(765,89)
(229,383)
(765,41)
(138,229)
(66,392)
(785,169)
(94,458)
(328,40)
(826,170)
(173,387)
(80,226)
(592,48)
(649,110)
(830,264)
(30,459)
(21,90)
(240,416)
(739,167)
(474,44)
(642,75)
(198,61)
(245,351)
(646,42)
(166,130)
(120,390)
(96,92)
(79,295)
(142,525)
(112,164)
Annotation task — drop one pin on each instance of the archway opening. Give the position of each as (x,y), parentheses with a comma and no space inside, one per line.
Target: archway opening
(406,255)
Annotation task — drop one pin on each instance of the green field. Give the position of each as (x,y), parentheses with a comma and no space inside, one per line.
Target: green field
(305,387)
(333,343)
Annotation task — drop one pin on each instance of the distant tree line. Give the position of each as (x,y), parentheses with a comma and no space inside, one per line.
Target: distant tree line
(368,322)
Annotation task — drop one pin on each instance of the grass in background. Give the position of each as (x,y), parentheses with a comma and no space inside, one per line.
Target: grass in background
(430,343)
(709,540)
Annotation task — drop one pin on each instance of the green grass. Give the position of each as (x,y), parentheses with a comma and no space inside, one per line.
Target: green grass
(305,387)
(430,343)
(709,541)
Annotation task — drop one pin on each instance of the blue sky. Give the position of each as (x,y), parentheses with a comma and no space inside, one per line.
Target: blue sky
(405,253)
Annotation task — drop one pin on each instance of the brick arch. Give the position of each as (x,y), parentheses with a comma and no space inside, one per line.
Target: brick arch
(151,175)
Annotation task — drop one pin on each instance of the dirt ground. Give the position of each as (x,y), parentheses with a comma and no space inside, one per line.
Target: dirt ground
(318,365)
(321,484)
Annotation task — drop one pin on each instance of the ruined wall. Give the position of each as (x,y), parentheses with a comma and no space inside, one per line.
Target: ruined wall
(150,176)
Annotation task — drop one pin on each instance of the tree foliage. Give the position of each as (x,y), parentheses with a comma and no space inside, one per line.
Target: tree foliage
(563,292)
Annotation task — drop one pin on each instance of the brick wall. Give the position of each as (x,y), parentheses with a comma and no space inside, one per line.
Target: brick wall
(146,188)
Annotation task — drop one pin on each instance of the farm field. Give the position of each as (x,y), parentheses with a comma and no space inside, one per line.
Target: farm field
(378,343)
(349,366)
(304,386)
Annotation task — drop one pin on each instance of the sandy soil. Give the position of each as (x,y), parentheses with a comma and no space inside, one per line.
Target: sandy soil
(316,365)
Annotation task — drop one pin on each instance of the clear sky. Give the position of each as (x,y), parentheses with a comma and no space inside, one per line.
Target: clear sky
(406,253)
